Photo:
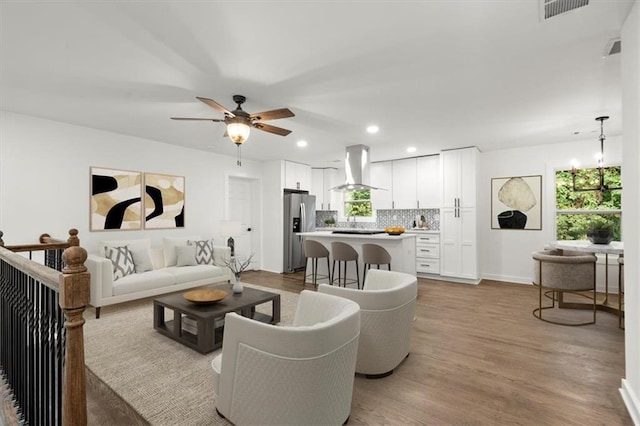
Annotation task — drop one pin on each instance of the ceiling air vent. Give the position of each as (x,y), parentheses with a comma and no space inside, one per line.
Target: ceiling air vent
(553,8)
(614,46)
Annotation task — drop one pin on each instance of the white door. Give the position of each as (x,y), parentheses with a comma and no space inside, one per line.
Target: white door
(244,204)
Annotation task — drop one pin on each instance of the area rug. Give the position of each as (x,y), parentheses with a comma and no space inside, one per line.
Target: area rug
(164,381)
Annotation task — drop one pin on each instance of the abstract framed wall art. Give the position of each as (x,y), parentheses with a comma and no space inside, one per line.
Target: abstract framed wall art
(516,203)
(163,201)
(116,202)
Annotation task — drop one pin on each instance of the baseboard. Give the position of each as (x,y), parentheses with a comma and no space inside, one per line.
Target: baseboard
(507,279)
(631,401)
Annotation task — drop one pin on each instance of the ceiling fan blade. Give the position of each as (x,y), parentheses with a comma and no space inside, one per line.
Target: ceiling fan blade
(213,104)
(196,119)
(271,129)
(274,114)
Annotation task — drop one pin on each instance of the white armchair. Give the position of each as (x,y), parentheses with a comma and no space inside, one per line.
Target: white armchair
(299,374)
(387,308)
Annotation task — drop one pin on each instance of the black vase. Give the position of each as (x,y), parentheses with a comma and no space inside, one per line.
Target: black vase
(512,219)
(600,236)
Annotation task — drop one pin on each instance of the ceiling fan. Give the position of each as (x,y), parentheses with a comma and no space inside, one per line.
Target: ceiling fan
(239,122)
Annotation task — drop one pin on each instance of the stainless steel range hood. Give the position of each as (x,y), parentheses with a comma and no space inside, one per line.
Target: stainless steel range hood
(356,169)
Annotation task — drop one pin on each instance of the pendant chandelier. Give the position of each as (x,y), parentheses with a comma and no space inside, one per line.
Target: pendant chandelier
(601,169)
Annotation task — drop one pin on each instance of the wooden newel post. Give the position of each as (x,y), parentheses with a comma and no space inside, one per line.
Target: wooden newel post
(73,239)
(74,298)
(1,242)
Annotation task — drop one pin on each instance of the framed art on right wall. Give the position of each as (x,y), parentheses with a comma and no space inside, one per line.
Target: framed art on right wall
(516,203)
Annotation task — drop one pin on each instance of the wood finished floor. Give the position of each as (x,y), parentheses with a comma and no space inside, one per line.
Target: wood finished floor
(478,357)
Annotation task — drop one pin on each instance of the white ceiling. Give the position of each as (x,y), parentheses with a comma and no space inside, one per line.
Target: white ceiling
(432,74)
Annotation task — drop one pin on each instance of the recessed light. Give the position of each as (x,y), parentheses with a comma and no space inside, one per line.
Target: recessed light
(411,149)
(372,129)
(302,144)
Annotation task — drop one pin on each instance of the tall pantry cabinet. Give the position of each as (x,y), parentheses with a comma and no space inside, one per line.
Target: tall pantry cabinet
(458,228)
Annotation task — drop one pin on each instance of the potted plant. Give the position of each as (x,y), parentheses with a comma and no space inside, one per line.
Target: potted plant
(600,231)
(331,222)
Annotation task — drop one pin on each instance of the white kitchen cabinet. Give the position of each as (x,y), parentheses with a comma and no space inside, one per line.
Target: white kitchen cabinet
(459,176)
(458,217)
(323,179)
(381,177)
(428,253)
(429,188)
(404,184)
(297,176)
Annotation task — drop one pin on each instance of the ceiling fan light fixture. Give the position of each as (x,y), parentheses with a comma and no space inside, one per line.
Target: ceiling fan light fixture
(238,130)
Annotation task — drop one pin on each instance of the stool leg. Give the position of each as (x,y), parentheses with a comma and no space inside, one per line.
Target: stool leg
(329,272)
(304,276)
(344,278)
(357,275)
(315,272)
(333,273)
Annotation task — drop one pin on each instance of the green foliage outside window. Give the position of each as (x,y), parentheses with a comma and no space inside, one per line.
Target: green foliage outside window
(574,225)
(358,203)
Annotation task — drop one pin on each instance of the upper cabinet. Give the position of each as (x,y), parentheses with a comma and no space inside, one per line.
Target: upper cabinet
(322,180)
(381,177)
(458,174)
(404,184)
(429,190)
(411,183)
(297,176)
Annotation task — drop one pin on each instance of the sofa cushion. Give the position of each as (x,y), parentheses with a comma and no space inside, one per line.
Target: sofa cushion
(185,274)
(169,245)
(204,251)
(145,281)
(186,255)
(140,250)
(121,261)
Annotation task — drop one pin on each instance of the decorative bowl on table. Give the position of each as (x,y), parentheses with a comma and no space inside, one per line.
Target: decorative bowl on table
(205,296)
(394,230)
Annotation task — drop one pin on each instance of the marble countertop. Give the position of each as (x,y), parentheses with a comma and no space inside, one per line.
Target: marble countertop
(383,236)
(614,247)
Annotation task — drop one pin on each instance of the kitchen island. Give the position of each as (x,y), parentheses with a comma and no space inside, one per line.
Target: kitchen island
(402,249)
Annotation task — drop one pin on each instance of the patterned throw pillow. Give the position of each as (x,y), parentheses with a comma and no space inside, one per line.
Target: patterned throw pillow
(204,251)
(122,261)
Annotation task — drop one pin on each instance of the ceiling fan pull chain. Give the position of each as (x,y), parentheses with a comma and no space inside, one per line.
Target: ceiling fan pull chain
(239,161)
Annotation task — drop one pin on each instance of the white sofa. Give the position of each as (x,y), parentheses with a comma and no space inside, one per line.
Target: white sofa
(158,270)
(387,308)
(289,375)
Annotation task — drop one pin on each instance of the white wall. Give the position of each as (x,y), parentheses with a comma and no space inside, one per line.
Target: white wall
(505,255)
(44,179)
(631,231)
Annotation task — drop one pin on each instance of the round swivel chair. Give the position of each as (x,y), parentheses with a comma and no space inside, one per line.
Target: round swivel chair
(563,271)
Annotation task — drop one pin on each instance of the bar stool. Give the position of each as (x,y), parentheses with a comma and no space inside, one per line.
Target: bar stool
(314,250)
(343,253)
(621,291)
(374,254)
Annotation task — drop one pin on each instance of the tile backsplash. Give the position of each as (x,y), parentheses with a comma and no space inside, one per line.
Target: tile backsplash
(384,218)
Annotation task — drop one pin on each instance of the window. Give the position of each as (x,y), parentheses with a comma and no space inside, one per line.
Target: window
(358,204)
(576,211)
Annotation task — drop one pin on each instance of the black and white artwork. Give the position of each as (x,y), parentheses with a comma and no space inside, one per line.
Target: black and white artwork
(516,203)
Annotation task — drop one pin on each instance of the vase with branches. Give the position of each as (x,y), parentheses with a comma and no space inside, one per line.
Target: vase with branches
(237,264)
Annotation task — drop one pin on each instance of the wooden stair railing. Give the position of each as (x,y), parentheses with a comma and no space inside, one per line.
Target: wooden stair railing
(71,285)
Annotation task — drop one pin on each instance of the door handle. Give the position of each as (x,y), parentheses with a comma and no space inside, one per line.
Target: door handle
(248,229)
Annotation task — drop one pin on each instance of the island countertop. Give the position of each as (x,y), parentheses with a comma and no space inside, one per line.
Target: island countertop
(382,236)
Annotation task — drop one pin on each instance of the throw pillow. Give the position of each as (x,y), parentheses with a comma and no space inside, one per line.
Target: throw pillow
(186,255)
(170,244)
(122,261)
(204,251)
(140,250)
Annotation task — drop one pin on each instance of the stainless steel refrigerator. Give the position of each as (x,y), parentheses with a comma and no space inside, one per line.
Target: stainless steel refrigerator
(299,216)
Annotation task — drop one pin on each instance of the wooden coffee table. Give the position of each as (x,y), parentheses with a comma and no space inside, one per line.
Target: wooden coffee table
(210,318)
